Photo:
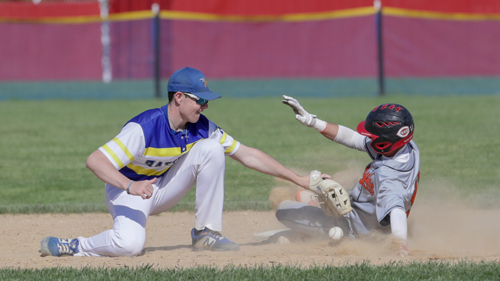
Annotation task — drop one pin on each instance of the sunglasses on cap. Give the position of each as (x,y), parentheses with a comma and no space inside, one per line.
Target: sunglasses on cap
(199,100)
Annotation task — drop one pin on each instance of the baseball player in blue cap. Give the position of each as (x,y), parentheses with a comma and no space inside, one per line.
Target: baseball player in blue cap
(383,197)
(157,157)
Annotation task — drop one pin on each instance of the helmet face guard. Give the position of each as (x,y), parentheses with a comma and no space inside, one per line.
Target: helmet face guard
(390,126)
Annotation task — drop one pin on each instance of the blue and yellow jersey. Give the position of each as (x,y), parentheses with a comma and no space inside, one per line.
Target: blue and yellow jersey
(146,147)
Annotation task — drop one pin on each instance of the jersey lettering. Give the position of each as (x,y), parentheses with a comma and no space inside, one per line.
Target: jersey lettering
(366,182)
(151,163)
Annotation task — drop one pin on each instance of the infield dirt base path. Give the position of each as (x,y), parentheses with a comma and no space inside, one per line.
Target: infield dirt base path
(436,233)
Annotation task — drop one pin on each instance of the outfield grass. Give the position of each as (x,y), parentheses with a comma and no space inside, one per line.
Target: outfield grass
(44,146)
(361,271)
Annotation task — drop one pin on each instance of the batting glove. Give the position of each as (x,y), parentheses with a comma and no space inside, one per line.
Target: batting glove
(304,117)
(400,247)
(403,249)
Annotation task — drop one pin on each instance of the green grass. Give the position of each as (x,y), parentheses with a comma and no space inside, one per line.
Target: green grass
(44,146)
(361,271)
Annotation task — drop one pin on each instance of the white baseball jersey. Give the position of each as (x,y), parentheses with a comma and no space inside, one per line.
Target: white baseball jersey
(147,147)
(387,183)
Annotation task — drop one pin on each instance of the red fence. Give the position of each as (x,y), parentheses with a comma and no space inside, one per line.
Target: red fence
(251,39)
(17,10)
(277,7)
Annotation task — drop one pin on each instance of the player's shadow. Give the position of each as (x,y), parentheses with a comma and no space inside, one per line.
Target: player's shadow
(178,247)
(260,243)
(167,248)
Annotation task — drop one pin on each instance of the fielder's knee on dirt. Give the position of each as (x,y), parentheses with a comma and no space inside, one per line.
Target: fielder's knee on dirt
(130,243)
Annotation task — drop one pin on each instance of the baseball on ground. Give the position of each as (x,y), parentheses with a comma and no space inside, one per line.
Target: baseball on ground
(282,240)
(336,233)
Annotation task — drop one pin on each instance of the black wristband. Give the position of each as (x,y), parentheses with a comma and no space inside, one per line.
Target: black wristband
(128,187)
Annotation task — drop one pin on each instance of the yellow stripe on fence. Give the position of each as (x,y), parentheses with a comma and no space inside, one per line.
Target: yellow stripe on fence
(58,20)
(177,15)
(389,11)
(287,17)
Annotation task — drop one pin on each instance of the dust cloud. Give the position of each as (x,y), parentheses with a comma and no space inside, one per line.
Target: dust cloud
(442,224)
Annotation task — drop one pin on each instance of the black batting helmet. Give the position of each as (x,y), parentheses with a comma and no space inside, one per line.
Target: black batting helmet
(390,126)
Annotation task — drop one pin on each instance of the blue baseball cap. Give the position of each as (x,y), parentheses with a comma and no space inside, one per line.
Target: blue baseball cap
(190,80)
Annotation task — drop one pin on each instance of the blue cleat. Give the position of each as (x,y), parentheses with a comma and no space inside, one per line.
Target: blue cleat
(52,246)
(208,239)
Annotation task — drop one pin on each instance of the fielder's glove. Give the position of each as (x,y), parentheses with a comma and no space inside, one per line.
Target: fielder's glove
(303,116)
(333,198)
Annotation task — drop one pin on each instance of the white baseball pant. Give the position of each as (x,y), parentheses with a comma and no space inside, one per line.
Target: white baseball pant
(203,165)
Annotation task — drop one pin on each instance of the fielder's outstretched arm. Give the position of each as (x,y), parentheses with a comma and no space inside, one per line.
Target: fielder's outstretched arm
(260,161)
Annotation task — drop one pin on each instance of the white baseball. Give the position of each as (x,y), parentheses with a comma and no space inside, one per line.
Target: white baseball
(336,233)
(282,240)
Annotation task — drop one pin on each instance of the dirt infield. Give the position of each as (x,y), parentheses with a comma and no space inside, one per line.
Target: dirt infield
(437,232)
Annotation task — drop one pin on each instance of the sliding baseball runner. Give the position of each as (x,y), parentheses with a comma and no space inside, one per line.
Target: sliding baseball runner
(383,197)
